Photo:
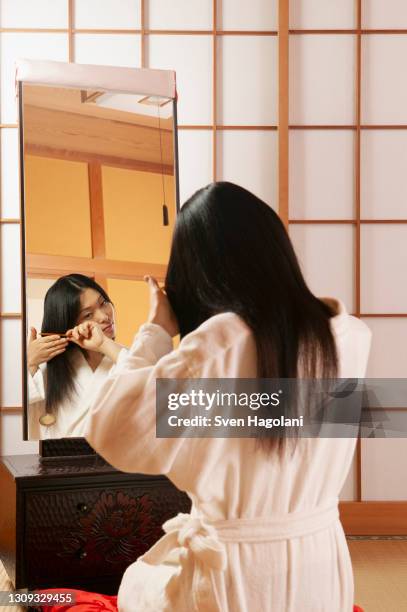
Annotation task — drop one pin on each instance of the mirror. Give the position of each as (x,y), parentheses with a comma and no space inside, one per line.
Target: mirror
(99,200)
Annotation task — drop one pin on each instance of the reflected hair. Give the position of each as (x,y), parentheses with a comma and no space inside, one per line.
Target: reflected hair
(231,253)
(61,312)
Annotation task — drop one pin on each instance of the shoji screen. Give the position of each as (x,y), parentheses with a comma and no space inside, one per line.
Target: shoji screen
(347,100)
(348,194)
(225,53)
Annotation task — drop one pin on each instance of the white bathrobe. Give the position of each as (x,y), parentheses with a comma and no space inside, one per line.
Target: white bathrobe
(71,414)
(263,534)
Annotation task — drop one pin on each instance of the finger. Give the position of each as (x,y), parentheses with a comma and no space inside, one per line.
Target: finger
(55,353)
(33,333)
(152,283)
(52,349)
(84,330)
(48,339)
(56,344)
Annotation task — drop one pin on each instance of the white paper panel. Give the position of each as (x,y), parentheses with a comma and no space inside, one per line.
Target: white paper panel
(108,49)
(11,381)
(248,80)
(36,290)
(388,14)
(45,46)
(349,489)
(10,268)
(321,174)
(322,14)
(326,255)
(383,174)
(179,15)
(388,353)
(322,79)
(195,161)
(383,469)
(10,194)
(249,158)
(244,15)
(107,14)
(191,58)
(383,268)
(384,86)
(38,14)
(12,437)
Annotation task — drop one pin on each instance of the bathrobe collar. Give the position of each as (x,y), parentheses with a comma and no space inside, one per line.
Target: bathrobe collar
(340,321)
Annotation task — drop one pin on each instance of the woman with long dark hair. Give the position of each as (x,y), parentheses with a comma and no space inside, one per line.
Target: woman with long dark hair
(263,533)
(63,377)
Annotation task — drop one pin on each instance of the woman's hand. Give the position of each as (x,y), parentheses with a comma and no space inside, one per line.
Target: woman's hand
(43,349)
(161,312)
(87,335)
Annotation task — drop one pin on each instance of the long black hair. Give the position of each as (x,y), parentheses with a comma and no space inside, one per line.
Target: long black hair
(61,311)
(231,252)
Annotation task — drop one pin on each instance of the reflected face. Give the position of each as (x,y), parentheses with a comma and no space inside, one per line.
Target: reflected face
(95,308)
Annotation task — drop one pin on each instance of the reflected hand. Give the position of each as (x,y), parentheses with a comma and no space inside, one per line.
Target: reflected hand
(43,349)
(88,335)
(161,312)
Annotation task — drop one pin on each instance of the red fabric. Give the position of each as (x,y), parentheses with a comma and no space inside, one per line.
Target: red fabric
(95,602)
(85,602)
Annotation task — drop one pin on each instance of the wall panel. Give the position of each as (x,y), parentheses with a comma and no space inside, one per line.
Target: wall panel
(384,92)
(179,14)
(244,95)
(322,14)
(35,45)
(107,14)
(322,82)
(10,279)
(10,189)
(38,14)
(195,160)
(334,246)
(241,156)
(364,264)
(191,57)
(322,177)
(254,15)
(108,49)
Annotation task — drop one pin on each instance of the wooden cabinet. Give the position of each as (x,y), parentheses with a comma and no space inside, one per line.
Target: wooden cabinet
(78,523)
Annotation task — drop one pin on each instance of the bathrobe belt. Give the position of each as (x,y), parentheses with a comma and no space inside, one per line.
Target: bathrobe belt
(200,543)
(204,540)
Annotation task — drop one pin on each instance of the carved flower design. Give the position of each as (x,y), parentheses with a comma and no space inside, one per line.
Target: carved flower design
(117,529)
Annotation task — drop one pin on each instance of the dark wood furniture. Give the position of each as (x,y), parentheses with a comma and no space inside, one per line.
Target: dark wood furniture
(78,522)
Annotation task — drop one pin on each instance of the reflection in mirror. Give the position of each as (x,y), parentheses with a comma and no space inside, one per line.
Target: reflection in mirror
(100,203)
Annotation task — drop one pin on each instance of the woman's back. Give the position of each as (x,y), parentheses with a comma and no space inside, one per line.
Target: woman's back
(277,543)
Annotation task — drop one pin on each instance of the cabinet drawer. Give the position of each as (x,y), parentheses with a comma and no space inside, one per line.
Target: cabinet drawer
(94,531)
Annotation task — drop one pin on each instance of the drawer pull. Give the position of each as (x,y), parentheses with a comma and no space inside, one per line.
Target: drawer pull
(82,554)
(82,507)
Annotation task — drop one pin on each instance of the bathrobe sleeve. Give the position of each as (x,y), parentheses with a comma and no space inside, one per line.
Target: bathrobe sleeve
(121,424)
(36,402)
(36,388)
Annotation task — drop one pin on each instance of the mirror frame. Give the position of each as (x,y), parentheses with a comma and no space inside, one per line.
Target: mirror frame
(142,81)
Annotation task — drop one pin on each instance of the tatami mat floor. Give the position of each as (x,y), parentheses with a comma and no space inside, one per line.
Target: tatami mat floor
(380,569)
(6,585)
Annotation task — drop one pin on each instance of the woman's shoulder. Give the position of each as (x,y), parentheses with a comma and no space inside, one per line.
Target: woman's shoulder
(218,347)
(344,323)
(223,333)
(222,328)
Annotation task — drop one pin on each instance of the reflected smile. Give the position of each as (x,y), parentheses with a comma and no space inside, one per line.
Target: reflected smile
(108,329)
